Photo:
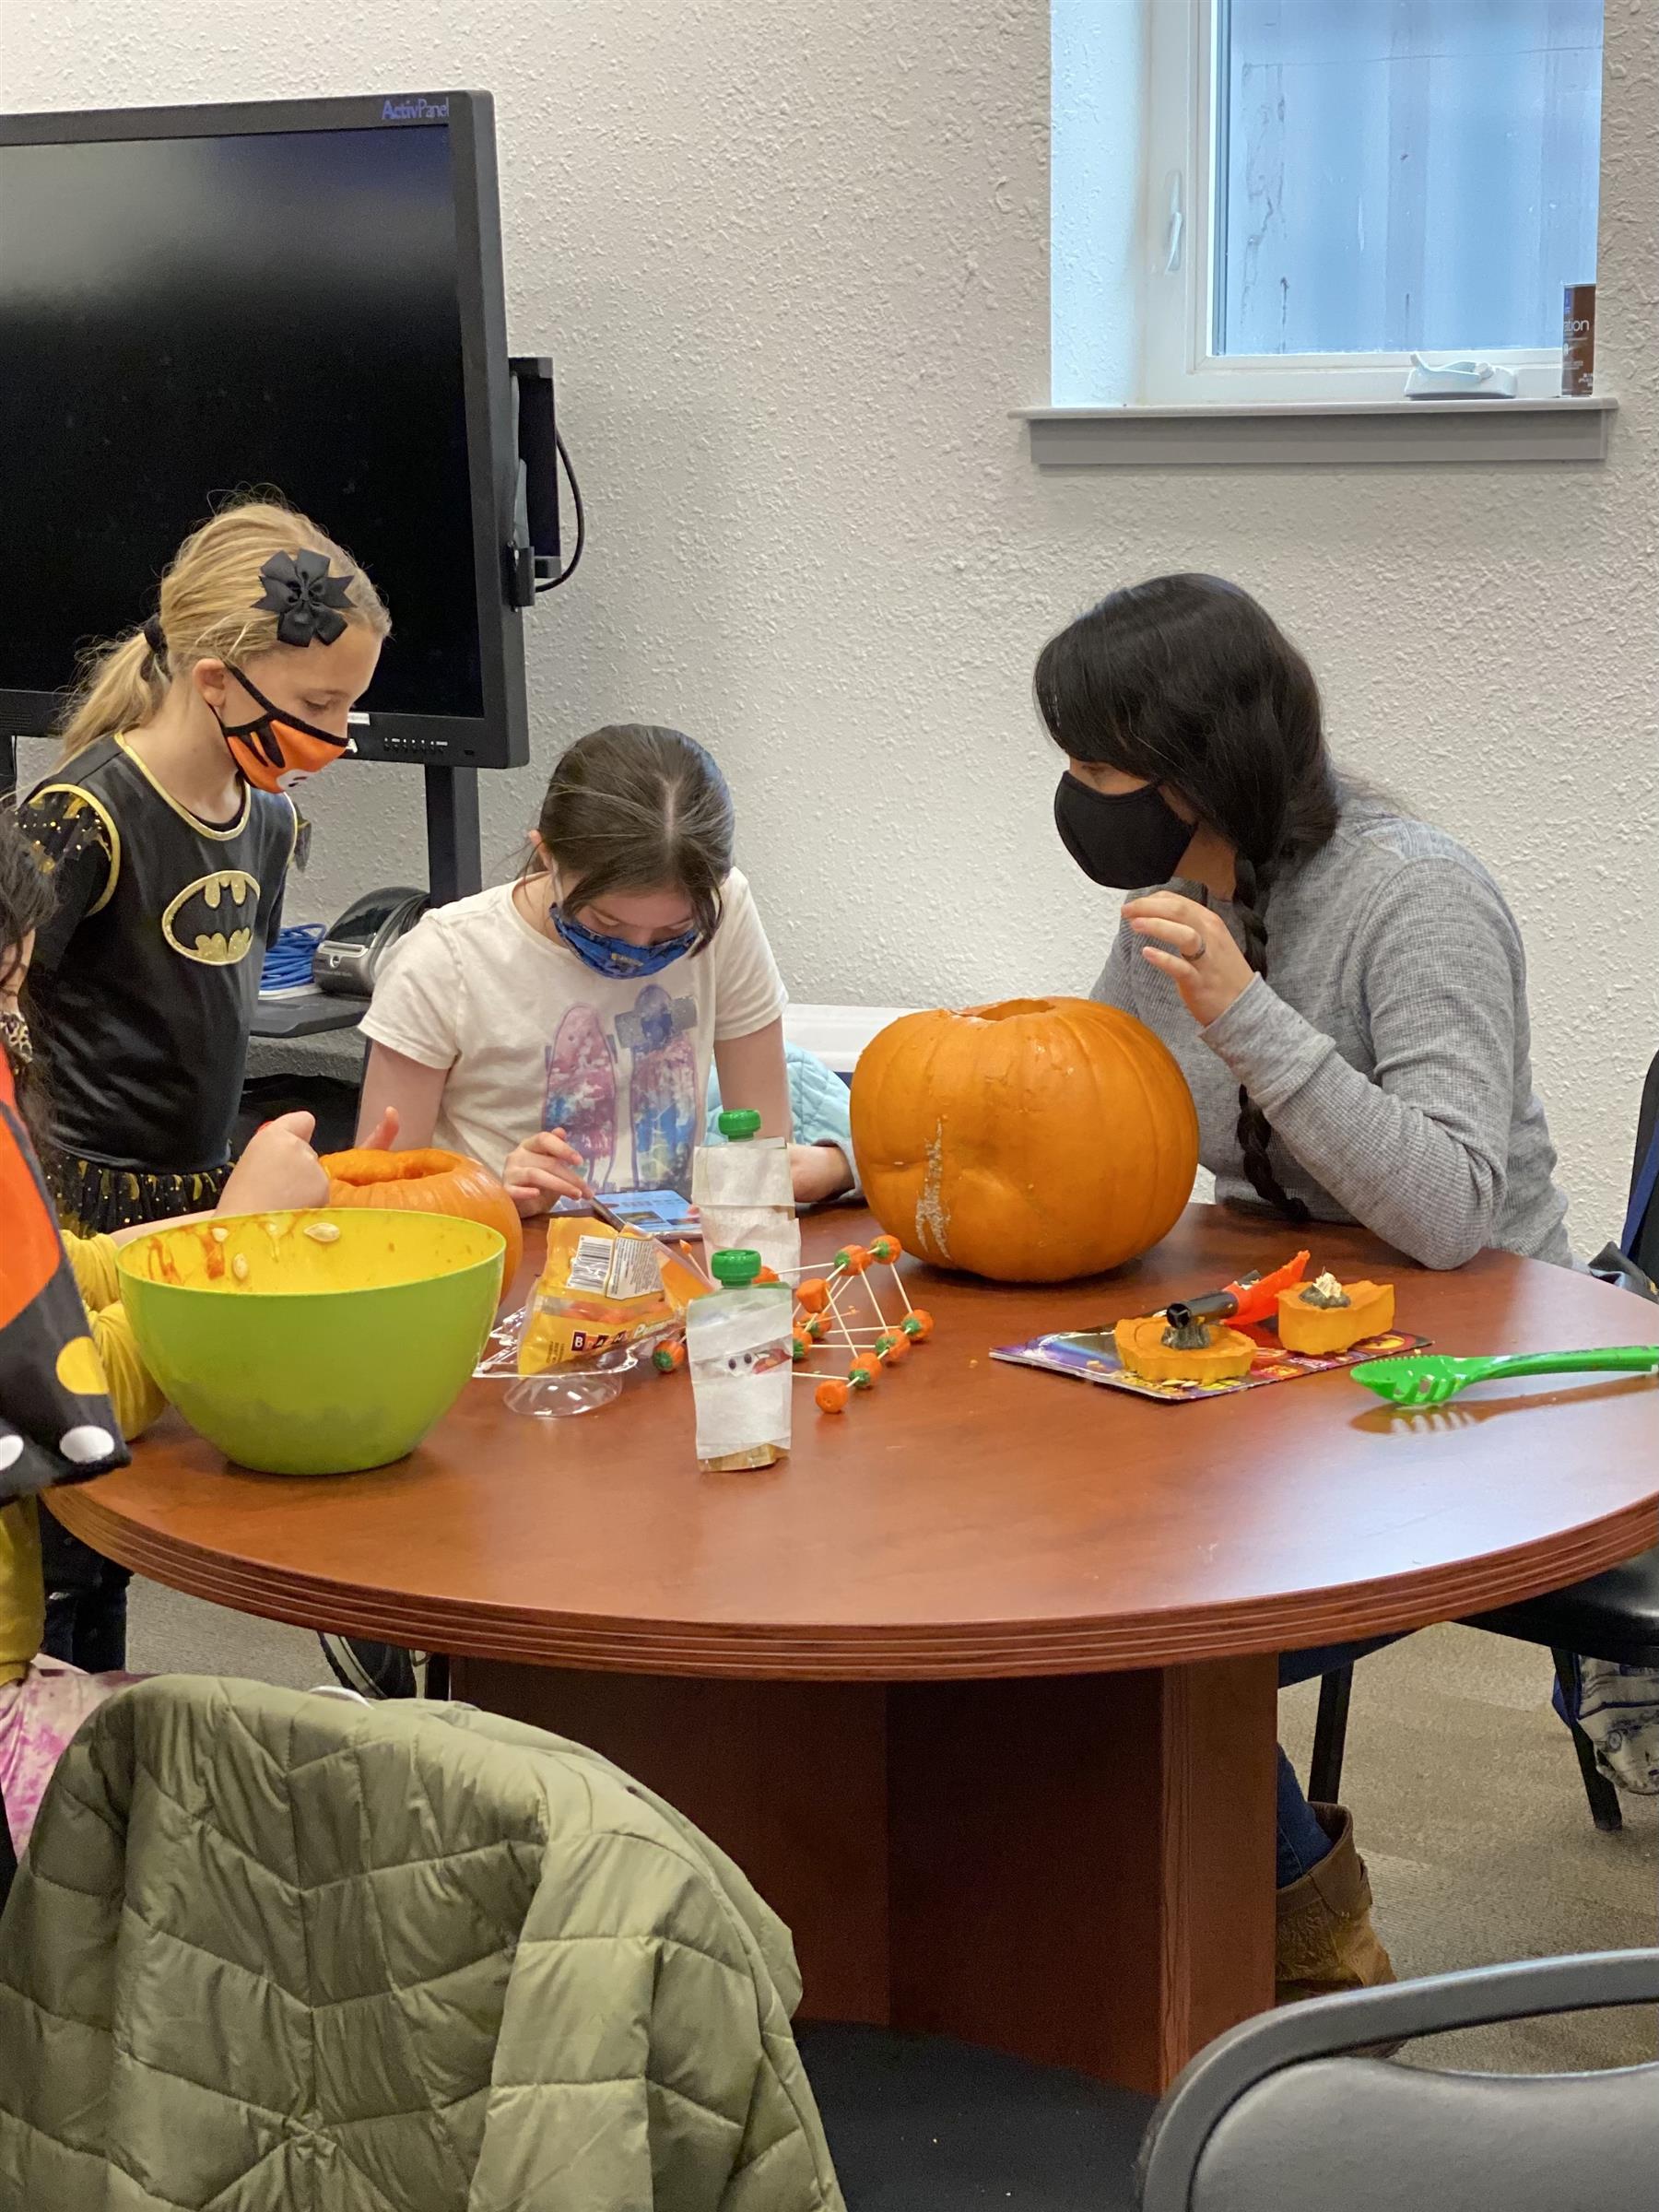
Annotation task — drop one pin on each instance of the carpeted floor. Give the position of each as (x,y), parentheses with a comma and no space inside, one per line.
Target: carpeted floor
(1470,1814)
(1466,1797)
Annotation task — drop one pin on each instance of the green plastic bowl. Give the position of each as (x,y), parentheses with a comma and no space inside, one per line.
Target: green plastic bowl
(315,1343)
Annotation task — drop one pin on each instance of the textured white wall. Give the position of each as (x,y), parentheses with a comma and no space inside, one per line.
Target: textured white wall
(791,259)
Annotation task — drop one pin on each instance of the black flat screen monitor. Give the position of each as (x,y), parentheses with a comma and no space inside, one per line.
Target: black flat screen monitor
(300,295)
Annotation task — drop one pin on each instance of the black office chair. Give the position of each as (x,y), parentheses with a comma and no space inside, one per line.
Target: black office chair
(1282,2113)
(1613,1616)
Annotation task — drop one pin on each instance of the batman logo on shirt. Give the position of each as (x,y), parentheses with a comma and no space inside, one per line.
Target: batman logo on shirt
(212,919)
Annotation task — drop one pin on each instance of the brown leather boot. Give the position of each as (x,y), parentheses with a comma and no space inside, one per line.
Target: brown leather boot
(1326,1941)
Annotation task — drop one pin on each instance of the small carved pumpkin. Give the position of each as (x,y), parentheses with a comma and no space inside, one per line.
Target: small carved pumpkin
(429,1182)
(1307,1324)
(1141,1347)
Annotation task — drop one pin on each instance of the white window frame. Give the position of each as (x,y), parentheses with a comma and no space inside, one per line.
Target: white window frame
(1177,366)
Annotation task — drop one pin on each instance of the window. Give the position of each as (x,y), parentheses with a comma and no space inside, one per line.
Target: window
(1260,200)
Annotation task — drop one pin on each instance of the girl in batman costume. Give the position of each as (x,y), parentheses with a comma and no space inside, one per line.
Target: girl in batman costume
(167,830)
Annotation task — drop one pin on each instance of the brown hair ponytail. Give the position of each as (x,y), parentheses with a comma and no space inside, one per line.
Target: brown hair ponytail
(638,807)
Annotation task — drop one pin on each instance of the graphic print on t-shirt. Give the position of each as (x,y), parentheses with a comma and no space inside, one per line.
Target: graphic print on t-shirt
(582,1091)
(661,1091)
(583,1088)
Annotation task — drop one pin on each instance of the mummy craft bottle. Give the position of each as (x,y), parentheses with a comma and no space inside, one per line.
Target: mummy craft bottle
(737,1349)
(743,1195)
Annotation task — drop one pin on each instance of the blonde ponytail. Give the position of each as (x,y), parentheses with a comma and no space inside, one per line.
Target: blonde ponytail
(207,613)
(121,691)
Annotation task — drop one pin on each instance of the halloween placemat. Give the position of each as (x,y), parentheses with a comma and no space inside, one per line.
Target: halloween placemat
(1090,1356)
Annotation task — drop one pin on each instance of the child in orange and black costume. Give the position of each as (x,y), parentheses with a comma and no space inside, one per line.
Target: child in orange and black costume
(74,1358)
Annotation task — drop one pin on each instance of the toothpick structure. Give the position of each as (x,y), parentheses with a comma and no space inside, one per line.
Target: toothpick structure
(822,1324)
(828,1323)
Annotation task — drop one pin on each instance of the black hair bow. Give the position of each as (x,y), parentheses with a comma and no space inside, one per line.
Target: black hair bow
(304,597)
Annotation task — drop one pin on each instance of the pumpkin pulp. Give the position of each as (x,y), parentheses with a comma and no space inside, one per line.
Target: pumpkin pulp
(428,1180)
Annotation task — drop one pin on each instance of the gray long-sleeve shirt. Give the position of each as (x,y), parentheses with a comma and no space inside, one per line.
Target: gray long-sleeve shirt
(1391,1051)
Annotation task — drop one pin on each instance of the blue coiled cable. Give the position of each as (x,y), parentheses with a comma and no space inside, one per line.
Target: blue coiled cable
(288,962)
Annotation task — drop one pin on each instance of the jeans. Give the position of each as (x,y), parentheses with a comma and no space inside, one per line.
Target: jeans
(1301,1841)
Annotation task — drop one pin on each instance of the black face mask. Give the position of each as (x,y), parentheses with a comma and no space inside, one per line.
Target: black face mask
(1125,842)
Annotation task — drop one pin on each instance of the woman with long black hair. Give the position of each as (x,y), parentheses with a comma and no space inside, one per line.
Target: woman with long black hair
(1344,987)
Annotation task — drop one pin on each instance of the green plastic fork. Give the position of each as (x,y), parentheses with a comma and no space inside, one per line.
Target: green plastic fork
(1432,1378)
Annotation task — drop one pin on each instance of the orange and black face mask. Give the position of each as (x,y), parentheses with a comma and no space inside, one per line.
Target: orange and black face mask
(276,749)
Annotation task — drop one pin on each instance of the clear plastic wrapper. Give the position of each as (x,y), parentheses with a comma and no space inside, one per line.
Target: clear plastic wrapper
(601,1305)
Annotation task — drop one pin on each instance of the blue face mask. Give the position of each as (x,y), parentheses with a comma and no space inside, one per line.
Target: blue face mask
(615,956)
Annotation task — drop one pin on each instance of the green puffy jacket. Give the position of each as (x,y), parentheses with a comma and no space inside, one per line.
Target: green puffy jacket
(274,1953)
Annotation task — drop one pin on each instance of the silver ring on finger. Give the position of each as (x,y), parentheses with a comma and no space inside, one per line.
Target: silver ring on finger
(1199,949)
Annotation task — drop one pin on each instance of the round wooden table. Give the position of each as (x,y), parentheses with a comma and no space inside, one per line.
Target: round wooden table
(979,1684)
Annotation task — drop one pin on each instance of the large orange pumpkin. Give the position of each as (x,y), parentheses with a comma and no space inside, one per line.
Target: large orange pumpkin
(433,1183)
(1029,1142)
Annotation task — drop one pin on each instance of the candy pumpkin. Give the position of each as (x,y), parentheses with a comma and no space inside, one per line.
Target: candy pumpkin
(1329,1316)
(1144,1346)
(430,1182)
(1029,1142)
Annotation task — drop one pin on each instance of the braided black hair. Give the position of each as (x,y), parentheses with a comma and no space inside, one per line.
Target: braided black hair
(1186,681)
(1252,886)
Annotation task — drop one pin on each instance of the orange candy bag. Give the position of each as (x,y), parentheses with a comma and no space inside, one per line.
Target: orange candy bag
(598,1290)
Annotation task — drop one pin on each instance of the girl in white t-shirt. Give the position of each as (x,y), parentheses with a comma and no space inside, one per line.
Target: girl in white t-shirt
(561,1028)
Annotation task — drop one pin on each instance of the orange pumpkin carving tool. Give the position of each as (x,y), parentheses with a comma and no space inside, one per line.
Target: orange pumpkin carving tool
(1259,1298)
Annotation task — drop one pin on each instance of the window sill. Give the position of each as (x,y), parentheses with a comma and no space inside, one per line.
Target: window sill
(1336,433)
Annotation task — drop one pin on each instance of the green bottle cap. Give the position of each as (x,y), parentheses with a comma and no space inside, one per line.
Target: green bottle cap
(736,1268)
(739,1122)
